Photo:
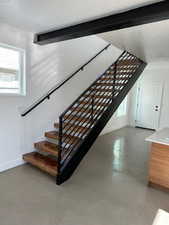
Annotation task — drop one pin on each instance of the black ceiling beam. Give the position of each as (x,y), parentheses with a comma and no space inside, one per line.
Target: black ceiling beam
(142,15)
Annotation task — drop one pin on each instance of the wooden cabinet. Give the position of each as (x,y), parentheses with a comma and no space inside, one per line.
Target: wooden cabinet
(159,165)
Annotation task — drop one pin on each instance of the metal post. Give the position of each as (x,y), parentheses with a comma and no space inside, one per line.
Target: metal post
(58,179)
(114,80)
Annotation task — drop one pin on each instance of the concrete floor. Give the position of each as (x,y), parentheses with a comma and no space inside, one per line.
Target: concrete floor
(108,188)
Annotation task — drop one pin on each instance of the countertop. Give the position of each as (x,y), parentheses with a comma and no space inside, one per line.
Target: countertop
(162,218)
(161,137)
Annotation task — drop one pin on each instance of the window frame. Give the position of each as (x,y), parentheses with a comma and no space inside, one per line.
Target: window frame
(22,71)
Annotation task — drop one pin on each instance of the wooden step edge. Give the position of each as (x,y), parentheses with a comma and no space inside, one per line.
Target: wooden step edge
(102,91)
(71,126)
(56,125)
(110,84)
(105,89)
(127,63)
(55,135)
(47,147)
(95,103)
(52,135)
(99,96)
(85,111)
(117,78)
(44,163)
(73,118)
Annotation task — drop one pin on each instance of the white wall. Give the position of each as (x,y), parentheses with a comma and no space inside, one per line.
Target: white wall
(10,120)
(46,66)
(116,123)
(156,72)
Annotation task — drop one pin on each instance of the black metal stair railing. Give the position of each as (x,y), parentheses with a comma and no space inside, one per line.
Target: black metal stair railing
(78,120)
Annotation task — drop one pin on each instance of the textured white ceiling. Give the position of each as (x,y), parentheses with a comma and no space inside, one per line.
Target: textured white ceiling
(40,15)
(149,42)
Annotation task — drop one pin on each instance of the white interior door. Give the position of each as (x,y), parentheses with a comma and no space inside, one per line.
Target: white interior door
(149,105)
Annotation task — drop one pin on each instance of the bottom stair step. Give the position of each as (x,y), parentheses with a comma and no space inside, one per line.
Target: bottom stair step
(44,163)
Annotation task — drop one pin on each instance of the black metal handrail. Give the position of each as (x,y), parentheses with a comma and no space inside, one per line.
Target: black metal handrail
(55,88)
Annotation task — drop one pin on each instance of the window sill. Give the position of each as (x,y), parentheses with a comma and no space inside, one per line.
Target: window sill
(11,95)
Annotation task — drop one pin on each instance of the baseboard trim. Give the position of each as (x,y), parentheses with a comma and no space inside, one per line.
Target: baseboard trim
(11,164)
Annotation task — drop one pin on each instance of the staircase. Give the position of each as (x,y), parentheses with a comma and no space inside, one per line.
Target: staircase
(81,123)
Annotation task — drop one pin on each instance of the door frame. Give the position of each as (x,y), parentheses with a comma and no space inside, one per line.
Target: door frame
(137,102)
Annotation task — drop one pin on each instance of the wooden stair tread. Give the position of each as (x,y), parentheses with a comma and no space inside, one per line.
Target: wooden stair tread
(42,162)
(52,134)
(118,72)
(71,127)
(99,96)
(103,79)
(84,110)
(110,84)
(48,147)
(77,118)
(107,89)
(95,103)
(127,63)
(55,135)
(104,88)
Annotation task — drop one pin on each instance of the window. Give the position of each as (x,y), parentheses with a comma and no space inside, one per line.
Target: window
(122,109)
(12,70)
